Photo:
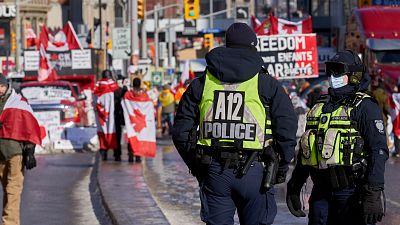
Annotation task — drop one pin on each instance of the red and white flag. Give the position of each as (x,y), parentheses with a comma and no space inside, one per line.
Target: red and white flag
(255,22)
(30,37)
(18,121)
(105,120)
(394,103)
(140,123)
(268,26)
(273,25)
(300,27)
(46,71)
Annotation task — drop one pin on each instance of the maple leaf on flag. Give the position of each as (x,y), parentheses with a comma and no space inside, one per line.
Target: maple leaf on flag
(138,120)
(103,114)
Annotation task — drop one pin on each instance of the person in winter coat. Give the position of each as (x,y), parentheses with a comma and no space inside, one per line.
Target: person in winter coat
(231,122)
(343,150)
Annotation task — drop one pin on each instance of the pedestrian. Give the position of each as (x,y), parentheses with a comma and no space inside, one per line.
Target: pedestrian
(167,101)
(394,103)
(235,106)
(343,150)
(138,94)
(109,115)
(19,133)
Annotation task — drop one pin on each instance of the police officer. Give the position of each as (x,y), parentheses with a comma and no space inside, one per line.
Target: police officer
(224,123)
(343,150)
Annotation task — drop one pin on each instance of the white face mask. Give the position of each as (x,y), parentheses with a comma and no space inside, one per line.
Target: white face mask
(337,82)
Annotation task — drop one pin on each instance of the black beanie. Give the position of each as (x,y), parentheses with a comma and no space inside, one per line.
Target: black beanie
(240,35)
(3,80)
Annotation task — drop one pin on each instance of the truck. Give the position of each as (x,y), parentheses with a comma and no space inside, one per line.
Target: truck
(374,33)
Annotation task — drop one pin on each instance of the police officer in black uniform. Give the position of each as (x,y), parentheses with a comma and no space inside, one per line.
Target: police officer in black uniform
(235,128)
(343,150)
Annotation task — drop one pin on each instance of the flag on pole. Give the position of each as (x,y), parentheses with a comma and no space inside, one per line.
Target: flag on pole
(140,124)
(268,26)
(255,22)
(104,91)
(46,71)
(18,121)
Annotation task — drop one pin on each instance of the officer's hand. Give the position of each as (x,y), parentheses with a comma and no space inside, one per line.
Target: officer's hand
(29,156)
(280,176)
(372,204)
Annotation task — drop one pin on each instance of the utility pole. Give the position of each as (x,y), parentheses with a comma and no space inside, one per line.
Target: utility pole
(211,12)
(101,26)
(156,36)
(144,37)
(18,35)
(134,27)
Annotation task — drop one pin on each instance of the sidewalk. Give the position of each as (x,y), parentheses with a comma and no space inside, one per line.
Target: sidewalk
(126,195)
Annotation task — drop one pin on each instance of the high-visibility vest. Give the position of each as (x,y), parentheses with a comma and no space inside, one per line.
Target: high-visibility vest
(232,115)
(331,138)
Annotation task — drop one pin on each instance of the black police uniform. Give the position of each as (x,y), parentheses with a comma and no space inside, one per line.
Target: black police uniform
(222,189)
(342,205)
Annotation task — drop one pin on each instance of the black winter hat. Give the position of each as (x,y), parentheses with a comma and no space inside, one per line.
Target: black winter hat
(349,57)
(3,80)
(240,35)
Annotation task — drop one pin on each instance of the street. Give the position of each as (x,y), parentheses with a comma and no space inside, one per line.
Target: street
(63,190)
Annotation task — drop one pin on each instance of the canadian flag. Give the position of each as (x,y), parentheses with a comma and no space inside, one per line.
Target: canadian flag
(18,121)
(46,71)
(273,25)
(255,22)
(394,103)
(30,37)
(105,120)
(66,39)
(140,123)
(300,27)
(268,26)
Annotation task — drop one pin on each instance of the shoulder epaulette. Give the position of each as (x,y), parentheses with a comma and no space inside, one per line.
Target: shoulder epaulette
(360,96)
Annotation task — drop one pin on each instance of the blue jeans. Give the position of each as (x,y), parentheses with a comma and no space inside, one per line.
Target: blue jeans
(223,191)
(167,118)
(335,207)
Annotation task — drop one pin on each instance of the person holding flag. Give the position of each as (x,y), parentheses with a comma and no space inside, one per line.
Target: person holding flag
(139,115)
(19,133)
(109,115)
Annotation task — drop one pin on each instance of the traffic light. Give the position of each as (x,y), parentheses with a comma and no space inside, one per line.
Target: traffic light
(192,9)
(208,40)
(141,8)
(13,41)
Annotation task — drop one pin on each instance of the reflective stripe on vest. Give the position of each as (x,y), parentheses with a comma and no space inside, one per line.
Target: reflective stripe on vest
(329,136)
(232,113)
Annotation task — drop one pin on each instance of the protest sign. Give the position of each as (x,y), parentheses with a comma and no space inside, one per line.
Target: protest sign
(289,56)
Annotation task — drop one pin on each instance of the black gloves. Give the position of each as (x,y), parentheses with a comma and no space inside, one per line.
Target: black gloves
(28,156)
(371,201)
(296,182)
(293,198)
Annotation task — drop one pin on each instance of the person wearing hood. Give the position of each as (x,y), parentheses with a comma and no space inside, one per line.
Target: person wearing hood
(343,149)
(226,127)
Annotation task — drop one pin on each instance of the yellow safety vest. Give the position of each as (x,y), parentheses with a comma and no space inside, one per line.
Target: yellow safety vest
(330,138)
(232,115)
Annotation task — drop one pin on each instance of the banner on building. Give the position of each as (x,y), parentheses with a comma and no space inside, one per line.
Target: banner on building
(66,63)
(289,56)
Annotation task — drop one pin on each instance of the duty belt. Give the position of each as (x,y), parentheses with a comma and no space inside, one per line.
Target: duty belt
(228,157)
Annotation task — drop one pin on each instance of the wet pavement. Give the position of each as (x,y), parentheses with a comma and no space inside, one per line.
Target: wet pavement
(76,189)
(62,190)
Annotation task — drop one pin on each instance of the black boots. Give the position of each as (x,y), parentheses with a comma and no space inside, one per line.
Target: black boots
(103,155)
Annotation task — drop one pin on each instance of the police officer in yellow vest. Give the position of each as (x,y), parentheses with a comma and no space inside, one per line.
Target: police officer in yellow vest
(230,125)
(343,150)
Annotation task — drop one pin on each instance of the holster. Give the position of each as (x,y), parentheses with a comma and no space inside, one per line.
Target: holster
(271,162)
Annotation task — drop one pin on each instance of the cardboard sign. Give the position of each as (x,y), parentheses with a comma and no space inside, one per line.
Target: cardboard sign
(289,56)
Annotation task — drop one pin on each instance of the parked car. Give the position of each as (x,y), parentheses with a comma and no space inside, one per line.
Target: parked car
(58,101)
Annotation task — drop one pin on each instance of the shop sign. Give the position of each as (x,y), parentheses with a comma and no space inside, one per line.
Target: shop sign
(8,11)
